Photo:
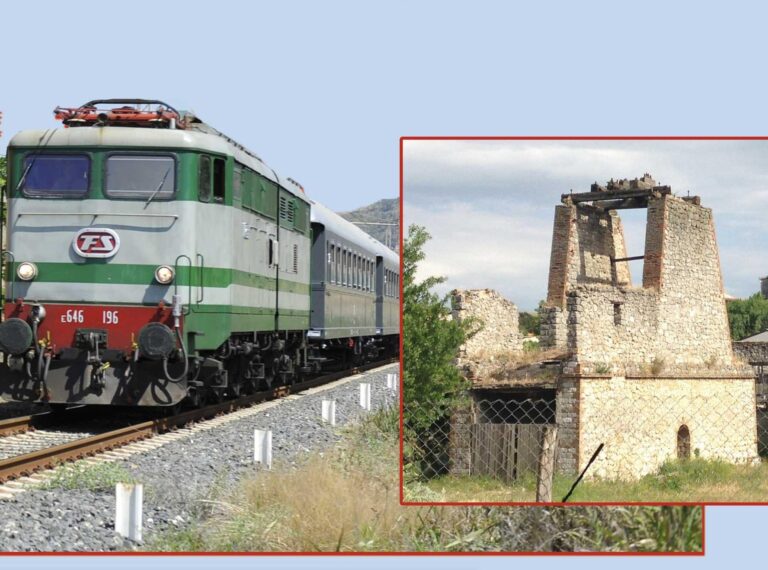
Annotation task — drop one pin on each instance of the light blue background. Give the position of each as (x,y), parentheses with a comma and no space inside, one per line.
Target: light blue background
(323,91)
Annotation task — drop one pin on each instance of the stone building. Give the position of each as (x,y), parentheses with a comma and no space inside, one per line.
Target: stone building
(650,371)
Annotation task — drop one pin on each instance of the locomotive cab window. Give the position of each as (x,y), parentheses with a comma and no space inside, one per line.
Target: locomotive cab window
(212,179)
(144,177)
(204,176)
(219,179)
(55,175)
(237,183)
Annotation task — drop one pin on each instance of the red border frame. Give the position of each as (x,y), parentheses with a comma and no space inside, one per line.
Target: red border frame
(542,138)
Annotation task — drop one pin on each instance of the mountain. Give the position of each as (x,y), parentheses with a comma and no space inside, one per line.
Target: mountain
(383,212)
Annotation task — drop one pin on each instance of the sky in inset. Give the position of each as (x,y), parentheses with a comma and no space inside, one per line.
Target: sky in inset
(489,205)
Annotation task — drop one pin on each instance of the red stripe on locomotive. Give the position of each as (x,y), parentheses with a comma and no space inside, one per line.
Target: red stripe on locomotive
(122,323)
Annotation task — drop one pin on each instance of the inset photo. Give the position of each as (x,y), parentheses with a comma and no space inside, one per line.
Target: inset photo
(585,320)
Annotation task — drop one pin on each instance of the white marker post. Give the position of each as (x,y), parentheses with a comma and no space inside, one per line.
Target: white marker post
(365,396)
(329,412)
(393,380)
(262,447)
(128,510)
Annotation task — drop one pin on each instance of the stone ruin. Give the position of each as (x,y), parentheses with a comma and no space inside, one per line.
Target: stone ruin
(649,363)
(645,368)
(498,338)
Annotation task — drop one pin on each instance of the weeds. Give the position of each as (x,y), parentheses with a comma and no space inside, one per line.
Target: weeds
(695,479)
(657,366)
(347,500)
(603,368)
(95,477)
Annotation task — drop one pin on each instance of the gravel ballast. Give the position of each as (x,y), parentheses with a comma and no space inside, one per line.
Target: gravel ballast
(179,476)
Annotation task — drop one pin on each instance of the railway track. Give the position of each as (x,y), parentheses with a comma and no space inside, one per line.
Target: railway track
(79,444)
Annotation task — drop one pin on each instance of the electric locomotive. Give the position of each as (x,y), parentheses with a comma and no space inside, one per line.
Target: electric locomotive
(153,260)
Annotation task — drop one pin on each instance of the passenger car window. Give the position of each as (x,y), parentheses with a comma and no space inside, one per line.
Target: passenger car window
(140,176)
(55,175)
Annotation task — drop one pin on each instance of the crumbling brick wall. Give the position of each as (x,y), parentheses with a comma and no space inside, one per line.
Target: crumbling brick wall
(498,339)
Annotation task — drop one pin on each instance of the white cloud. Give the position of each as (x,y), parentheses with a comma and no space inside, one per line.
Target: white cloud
(475,248)
(489,204)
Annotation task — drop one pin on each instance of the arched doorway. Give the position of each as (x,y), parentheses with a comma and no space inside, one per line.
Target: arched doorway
(683,442)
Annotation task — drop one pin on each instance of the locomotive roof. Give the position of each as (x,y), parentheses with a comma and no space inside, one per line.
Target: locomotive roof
(197,138)
(350,232)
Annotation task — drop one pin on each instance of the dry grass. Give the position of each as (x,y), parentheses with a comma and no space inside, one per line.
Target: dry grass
(523,366)
(695,480)
(348,500)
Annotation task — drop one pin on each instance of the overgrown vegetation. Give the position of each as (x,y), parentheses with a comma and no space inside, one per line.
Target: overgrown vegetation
(748,317)
(431,339)
(530,323)
(348,500)
(101,476)
(676,481)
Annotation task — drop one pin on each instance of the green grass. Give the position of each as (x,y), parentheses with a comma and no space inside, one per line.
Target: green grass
(695,480)
(347,500)
(95,477)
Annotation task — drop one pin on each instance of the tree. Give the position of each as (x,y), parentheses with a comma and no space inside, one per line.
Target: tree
(431,339)
(530,323)
(748,316)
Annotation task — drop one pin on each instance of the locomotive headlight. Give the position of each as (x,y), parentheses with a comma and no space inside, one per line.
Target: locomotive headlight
(164,274)
(26,271)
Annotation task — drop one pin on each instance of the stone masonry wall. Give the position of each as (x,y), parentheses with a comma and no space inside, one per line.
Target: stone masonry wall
(500,333)
(638,421)
(554,329)
(567,419)
(752,352)
(678,319)
(584,242)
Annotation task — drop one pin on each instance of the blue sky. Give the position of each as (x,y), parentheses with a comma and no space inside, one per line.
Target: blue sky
(489,205)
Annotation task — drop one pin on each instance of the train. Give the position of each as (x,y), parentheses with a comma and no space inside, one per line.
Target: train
(153,261)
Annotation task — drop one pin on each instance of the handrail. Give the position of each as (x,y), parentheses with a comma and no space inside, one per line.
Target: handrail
(189,281)
(201,296)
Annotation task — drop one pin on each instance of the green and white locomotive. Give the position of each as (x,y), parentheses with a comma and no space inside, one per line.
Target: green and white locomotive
(151,259)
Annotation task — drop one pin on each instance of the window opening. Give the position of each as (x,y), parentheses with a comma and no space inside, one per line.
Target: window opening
(218,179)
(55,175)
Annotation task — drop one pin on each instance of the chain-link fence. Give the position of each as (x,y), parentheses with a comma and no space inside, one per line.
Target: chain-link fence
(632,442)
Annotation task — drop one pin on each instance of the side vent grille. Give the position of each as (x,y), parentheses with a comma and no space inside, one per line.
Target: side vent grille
(287,209)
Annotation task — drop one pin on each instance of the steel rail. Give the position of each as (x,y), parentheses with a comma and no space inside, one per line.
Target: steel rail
(28,463)
(16,425)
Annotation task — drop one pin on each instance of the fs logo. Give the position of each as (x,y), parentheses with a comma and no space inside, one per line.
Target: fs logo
(96,242)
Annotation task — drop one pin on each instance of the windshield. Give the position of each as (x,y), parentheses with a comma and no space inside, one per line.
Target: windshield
(140,176)
(55,175)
